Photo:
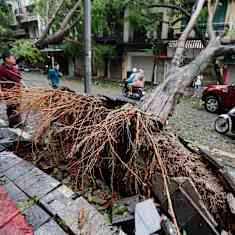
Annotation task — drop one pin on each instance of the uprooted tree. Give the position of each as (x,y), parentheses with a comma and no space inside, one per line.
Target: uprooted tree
(163,99)
(95,140)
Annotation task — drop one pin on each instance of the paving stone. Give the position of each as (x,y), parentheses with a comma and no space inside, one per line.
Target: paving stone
(93,221)
(36,216)
(18,170)
(7,160)
(3,123)
(50,228)
(63,195)
(36,183)
(14,192)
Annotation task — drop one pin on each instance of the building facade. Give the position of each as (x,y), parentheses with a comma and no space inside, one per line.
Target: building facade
(26,21)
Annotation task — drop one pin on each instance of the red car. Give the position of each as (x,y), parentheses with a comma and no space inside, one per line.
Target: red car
(219,97)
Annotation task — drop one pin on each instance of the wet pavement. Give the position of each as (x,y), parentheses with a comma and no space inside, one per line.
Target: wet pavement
(99,87)
(192,122)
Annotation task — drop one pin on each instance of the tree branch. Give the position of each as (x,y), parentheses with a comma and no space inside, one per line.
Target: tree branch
(48,27)
(69,16)
(182,40)
(211,12)
(64,28)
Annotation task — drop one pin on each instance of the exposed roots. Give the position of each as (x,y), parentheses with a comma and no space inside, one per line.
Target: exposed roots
(116,145)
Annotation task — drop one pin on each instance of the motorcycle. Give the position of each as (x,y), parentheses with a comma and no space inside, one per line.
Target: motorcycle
(225,123)
(137,92)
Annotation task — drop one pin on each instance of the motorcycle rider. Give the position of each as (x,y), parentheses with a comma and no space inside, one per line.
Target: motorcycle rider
(131,79)
(139,80)
(136,80)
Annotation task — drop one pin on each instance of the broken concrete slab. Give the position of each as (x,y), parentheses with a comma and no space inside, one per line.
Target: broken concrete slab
(50,228)
(189,209)
(7,160)
(147,218)
(187,185)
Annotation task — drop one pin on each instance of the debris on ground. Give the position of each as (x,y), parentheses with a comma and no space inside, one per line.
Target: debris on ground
(123,213)
(147,218)
(189,209)
(124,148)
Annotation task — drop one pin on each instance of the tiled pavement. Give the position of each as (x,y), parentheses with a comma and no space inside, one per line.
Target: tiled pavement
(48,206)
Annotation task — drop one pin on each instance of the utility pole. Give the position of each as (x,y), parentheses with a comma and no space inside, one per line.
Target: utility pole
(87,38)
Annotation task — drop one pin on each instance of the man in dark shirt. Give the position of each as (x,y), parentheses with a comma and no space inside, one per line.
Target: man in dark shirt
(10,81)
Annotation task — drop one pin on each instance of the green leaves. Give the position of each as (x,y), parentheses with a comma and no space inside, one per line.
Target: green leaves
(27,50)
(5,17)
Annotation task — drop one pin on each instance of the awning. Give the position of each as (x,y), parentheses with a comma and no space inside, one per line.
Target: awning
(190,44)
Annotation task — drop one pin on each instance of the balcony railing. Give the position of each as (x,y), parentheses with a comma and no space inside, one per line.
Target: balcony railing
(111,36)
(29,18)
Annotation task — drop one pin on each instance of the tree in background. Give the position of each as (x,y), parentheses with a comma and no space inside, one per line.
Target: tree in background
(27,51)
(65,24)
(6,35)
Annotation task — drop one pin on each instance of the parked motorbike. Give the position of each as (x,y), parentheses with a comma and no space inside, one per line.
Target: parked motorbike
(137,92)
(225,123)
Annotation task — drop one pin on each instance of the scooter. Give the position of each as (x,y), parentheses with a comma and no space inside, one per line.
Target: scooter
(225,123)
(137,92)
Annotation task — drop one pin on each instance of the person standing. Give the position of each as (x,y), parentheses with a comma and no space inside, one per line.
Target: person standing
(198,86)
(10,81)
(54,75)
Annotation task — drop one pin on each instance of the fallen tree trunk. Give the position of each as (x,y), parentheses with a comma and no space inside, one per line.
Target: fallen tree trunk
(164,98)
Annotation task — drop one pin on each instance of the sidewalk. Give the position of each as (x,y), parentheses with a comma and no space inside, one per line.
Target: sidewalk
(11,219)
(49,207)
